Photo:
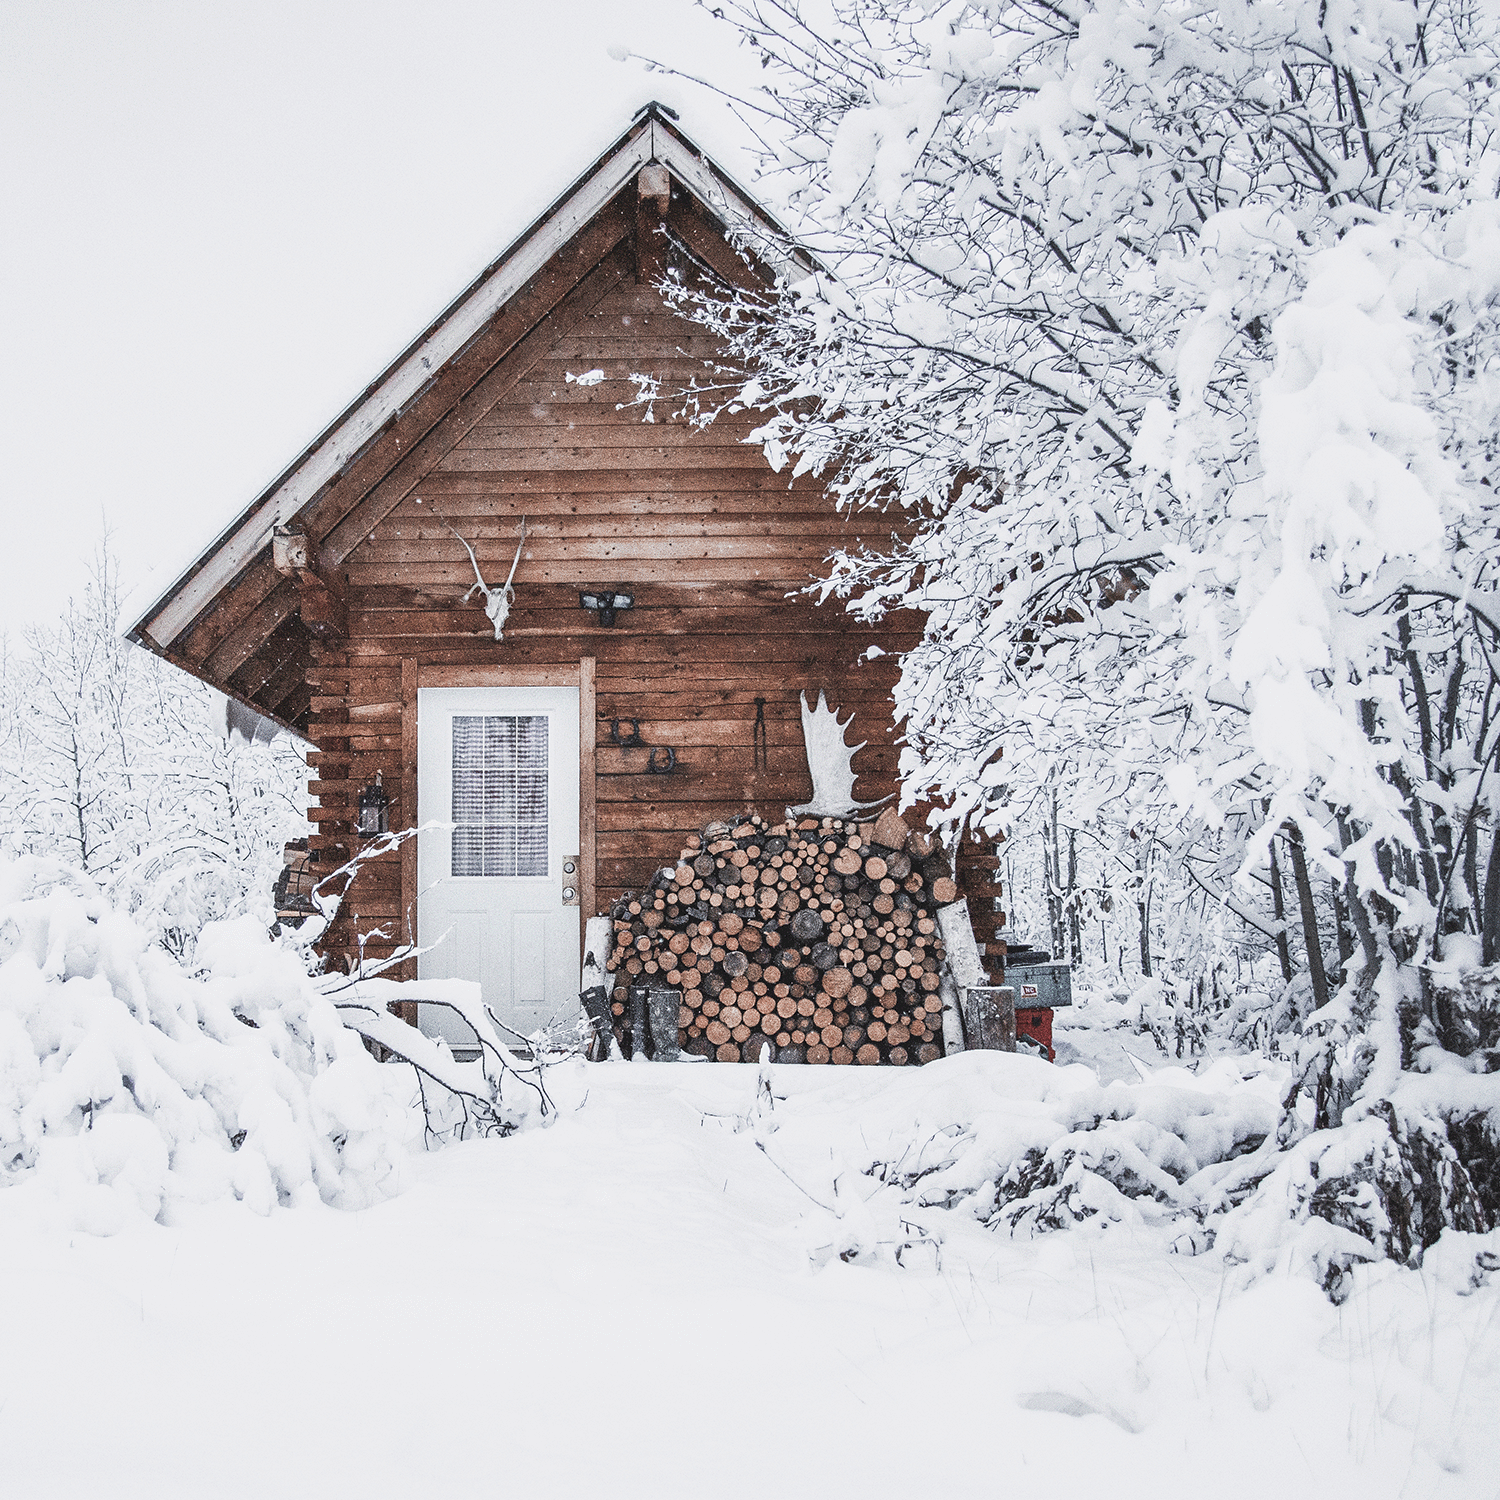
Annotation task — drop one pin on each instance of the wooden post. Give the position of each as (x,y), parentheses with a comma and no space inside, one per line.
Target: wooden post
(990,1017)
(598,943)
(588,820)
(958,939)
(323,604)
(653,198)
(953,1025)
(408,793)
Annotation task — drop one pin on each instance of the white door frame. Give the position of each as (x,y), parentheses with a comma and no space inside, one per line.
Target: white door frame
(415,677)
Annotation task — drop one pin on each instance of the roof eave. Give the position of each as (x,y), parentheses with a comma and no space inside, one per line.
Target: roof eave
(652,136)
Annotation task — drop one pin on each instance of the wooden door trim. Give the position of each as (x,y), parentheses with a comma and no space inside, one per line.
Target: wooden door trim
(587,810)
(410,677)
(439,676)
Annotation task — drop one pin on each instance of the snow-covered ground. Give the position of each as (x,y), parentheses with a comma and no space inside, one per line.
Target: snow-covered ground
(1103,1032)
(647,1298)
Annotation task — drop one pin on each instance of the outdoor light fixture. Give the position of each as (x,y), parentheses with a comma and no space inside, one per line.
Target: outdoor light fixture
(374,810)
(606,601)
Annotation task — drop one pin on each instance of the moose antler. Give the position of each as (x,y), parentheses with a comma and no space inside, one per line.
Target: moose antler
(831,762)
(497,602)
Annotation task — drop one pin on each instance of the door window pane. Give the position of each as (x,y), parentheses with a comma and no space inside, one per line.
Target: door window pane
(500,794)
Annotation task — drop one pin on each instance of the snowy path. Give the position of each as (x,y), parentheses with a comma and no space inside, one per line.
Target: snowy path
(625,1305)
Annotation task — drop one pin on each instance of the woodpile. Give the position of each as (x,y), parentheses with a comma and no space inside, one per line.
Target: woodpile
(818,937)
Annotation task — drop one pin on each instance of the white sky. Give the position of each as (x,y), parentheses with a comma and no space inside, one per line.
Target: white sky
(219,221)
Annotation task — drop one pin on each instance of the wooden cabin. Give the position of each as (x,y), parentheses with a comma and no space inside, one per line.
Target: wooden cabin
(650,668)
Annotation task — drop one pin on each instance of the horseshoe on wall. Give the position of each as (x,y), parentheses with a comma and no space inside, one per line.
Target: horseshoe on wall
(626,741)
(667,766)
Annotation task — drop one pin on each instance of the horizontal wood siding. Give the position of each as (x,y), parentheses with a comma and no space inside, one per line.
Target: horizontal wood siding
(715,547)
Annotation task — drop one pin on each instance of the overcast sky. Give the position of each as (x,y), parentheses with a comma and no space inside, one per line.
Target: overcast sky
(220,221)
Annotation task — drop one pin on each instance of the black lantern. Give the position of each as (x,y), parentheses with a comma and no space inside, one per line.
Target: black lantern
(607,601)
(374,810)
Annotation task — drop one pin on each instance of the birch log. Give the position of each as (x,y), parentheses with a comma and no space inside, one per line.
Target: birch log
(598,943)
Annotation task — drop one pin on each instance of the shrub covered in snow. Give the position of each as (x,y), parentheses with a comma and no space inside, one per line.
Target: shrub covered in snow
(131,1084)
(1222,1150)
(1029,1147)
(1189,1160)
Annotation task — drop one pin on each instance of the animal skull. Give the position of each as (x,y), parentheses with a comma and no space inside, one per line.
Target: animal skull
(497,602)
(831,762)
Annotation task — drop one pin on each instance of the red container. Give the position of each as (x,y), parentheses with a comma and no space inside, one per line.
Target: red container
(1037,1025)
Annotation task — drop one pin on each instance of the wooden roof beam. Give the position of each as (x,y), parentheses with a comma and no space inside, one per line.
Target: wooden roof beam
(652,200)
(233,607)
(690,223)
(281,679)
(250,634)
(323,601)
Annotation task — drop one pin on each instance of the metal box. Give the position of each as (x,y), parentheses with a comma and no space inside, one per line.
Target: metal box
(1046,986)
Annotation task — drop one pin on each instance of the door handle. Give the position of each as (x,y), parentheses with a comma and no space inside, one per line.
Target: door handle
(570,879)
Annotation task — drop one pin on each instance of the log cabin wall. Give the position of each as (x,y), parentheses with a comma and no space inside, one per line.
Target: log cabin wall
(714,547)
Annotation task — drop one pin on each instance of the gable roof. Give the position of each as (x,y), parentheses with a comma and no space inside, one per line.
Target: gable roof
(409,399)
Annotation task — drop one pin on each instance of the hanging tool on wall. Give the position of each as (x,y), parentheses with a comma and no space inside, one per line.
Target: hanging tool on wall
(760,755)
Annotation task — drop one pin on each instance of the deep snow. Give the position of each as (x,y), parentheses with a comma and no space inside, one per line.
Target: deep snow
(645,1299)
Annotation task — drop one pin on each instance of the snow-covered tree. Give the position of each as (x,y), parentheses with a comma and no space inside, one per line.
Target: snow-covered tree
(112,761)
(1172,332)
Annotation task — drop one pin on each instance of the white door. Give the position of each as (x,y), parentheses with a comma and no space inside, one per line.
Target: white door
(498,892)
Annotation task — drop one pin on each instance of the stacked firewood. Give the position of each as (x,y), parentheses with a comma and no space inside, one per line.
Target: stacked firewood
(817,936)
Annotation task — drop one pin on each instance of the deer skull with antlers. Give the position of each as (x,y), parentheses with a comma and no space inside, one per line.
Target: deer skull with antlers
(497,602)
